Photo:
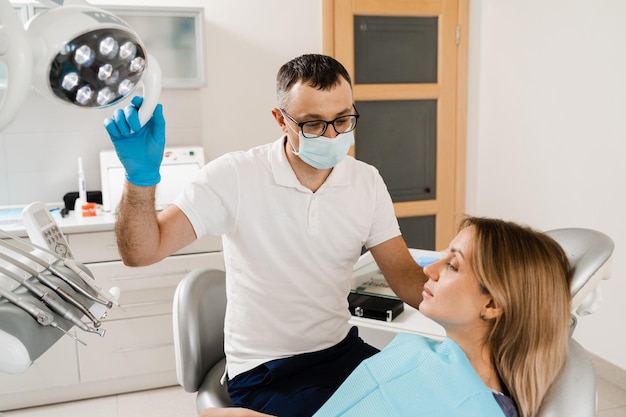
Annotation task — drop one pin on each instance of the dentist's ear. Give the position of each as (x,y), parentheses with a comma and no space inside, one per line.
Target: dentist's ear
(280,119)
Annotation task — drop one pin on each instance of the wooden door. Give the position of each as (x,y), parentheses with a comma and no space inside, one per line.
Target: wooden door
(407,59)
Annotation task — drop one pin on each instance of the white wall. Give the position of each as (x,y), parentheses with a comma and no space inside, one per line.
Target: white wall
(546,131)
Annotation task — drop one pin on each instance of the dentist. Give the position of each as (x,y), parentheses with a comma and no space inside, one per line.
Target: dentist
(294,215)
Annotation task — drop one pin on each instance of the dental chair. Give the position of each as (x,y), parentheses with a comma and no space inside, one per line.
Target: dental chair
(200,303)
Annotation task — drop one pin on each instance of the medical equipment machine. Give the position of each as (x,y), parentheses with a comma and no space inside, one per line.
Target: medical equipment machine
(44,293)
(43,230)
(200,303)
(179,165)
(77,54)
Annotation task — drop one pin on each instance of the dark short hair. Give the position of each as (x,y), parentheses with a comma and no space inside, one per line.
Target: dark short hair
(319,71)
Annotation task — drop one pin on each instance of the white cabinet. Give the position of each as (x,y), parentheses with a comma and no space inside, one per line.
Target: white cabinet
(139,346)
(137,351)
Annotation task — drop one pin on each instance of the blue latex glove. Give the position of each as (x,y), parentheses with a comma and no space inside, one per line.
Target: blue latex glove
(140,149)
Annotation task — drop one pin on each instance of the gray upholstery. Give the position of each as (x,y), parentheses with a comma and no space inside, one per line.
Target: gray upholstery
(573,393)
(589,253)
(212,392)
(199,308)
(200,303)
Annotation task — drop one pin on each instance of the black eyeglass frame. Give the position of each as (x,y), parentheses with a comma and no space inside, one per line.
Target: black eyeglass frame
(326,123)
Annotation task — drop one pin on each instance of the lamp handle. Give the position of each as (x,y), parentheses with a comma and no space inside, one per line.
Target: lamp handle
(151,85)
(15,52)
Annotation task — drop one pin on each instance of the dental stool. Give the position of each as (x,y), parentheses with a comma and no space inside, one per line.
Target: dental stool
(200,304)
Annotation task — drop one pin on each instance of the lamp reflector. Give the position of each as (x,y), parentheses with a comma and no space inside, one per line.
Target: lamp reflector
(102,58)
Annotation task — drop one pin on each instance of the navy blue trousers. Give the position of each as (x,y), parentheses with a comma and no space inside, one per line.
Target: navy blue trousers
(298,386)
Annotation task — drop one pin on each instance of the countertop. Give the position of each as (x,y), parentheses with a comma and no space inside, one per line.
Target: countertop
(10,220)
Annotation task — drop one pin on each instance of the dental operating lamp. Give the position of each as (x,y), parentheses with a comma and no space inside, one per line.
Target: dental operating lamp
(76,54)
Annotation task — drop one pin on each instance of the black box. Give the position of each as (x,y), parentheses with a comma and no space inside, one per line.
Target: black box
(373,307)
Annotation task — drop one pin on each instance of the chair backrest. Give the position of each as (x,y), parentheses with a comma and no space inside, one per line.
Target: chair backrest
(198,319)
(573,393)
(590,253)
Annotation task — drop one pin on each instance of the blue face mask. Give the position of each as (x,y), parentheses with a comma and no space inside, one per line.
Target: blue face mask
(322,152)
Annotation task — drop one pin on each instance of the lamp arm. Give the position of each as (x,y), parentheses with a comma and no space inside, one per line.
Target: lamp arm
(15,52)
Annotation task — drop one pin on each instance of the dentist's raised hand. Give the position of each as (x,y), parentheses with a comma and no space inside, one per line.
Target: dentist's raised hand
(140,149)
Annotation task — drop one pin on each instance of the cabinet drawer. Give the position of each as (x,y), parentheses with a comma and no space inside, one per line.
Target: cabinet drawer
(149,290)
(141,303)
(102,246)
(131,347)
(166,273)
(94,247)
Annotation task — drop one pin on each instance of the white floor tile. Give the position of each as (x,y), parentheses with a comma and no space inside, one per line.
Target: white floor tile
(615,412)
(95,407)
(610,396)
(164,402)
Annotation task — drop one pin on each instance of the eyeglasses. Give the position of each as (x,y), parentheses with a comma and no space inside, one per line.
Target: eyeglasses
(316,128)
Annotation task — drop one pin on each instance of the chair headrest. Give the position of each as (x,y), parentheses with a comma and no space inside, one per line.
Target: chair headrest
(589,253)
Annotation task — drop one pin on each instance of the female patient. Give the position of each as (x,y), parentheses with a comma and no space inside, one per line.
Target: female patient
(501,293)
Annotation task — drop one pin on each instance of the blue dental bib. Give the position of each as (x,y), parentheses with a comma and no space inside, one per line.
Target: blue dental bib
(414,376)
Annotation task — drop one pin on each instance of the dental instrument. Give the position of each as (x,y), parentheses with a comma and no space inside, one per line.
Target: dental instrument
(49,266)
(108,299)
(111,297)
(48,298)
(64,312)
(42,317)
(43,230)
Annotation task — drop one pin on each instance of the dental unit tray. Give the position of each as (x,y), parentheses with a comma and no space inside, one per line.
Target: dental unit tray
(42,297)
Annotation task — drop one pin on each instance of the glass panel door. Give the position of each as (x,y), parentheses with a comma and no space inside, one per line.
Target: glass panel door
(406,59)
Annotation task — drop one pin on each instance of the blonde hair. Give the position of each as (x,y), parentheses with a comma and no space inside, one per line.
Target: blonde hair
(526,274)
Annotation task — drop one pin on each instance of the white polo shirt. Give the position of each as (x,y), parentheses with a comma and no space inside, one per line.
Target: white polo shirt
(289,252)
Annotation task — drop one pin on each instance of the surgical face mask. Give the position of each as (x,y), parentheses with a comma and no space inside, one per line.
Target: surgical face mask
(322,152)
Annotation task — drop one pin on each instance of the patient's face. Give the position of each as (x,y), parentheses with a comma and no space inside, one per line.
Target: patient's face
(452,295)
